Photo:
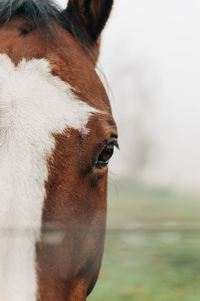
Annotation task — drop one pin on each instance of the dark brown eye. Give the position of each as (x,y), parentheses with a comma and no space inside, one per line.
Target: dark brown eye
(105,155)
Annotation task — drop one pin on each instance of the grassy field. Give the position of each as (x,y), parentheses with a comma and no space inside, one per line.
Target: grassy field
(152,248)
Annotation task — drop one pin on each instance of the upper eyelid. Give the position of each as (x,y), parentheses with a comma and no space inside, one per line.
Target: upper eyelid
(107,142)
(115,142)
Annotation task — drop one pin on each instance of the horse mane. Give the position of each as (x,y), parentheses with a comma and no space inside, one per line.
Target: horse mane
(41,13)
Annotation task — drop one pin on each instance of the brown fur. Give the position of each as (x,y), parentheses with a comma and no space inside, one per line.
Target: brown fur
(90,15)
(75,204)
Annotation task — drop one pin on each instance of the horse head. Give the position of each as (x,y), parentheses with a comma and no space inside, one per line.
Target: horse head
(57,135)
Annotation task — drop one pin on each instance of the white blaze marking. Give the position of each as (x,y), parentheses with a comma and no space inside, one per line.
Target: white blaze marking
(33,105)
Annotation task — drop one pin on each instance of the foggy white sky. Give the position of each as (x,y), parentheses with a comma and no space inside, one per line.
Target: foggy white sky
(151,57)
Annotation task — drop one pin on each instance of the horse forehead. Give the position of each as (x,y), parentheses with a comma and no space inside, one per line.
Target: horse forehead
(67,59)
(31,93)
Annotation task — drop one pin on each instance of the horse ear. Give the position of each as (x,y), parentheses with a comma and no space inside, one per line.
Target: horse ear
(90,15)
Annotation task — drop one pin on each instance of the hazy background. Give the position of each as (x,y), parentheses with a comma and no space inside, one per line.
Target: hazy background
(151,58)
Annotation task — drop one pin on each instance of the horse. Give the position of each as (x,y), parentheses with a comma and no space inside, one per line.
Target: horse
(57,136)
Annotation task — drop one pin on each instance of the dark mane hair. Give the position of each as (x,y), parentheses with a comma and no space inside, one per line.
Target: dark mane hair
(41,13)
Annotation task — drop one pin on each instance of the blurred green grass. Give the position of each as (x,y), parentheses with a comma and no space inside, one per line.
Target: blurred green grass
(152,249)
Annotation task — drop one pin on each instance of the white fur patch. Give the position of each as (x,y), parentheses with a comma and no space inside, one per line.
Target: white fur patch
(33,105)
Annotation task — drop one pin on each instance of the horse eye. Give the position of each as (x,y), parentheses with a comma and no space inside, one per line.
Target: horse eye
(105,155)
